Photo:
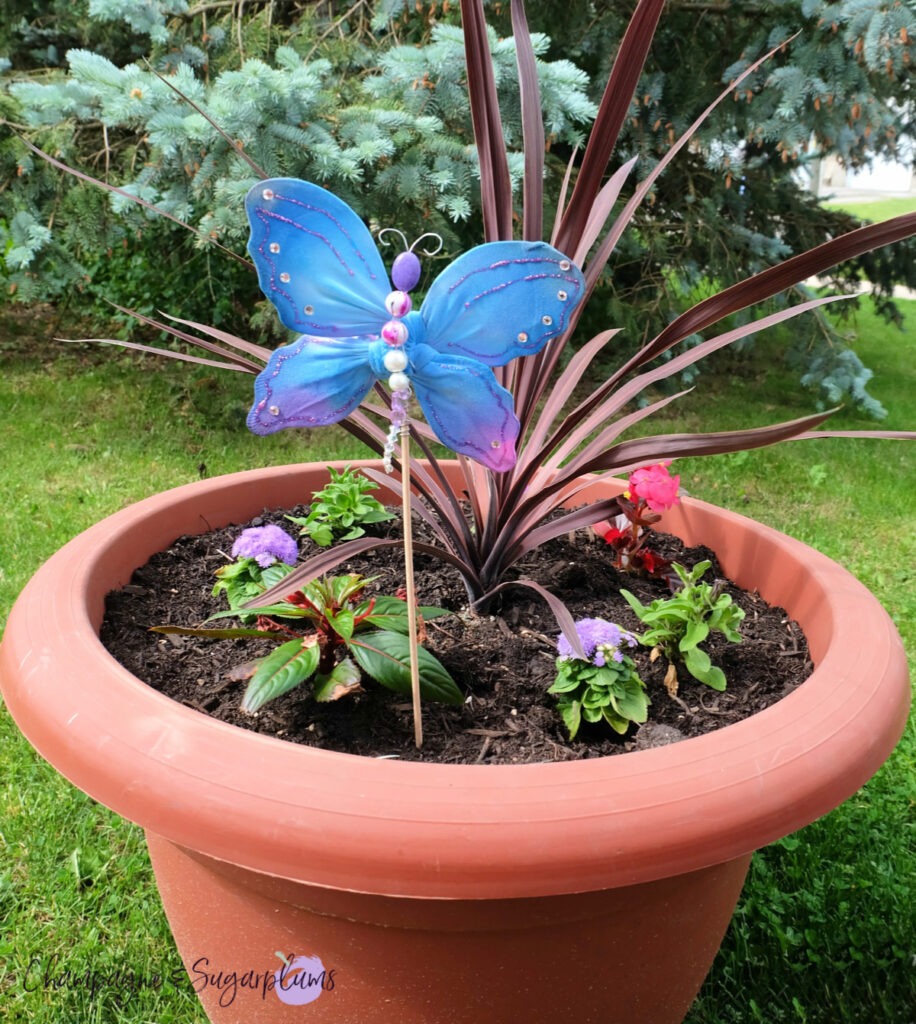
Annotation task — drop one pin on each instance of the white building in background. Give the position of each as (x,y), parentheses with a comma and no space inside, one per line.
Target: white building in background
(884,177)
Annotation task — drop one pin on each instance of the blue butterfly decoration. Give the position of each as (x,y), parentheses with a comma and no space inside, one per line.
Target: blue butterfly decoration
(319,266)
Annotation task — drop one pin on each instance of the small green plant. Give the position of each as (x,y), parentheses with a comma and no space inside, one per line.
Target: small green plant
(342,509)
(348,636)
(602,686)
(679,624)
(263,556)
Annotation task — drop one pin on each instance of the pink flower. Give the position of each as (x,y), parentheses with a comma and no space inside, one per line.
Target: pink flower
(655,486)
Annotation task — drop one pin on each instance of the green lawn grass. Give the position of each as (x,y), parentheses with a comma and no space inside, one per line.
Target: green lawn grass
(825,932)
(874,209)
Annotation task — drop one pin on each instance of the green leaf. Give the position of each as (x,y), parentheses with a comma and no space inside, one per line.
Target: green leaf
(385,656)
(345,588)
(700,667)
(321,534)
(357,531)
(214,634)
(280,611)
(730,632)
(372,515)
(671,611)
(391,613)
(595,698)
(342,623)
(617,722)
(634,603)
(691,576)
(727,617)
(241,567)
(429,612)
(571,713)
(696,634)
(631,701)
(610,676)
(285,668)
(567,678)
(342,680)
(656,637)
(393,623)
(272,575)
(385,604)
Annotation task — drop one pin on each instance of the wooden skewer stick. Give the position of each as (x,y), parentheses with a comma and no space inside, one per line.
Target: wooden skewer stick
(411,590)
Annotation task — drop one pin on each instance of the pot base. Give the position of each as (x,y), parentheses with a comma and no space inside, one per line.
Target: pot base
(635,955)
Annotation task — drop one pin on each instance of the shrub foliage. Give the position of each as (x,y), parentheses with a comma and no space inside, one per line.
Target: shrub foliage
(372,98)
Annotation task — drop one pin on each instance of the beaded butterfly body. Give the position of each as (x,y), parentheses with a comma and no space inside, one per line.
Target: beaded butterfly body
(319,266)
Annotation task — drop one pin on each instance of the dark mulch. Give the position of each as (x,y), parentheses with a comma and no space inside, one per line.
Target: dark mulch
(504,661)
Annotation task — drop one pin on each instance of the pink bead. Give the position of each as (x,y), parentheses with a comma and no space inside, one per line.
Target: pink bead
(398,303)
(395,332)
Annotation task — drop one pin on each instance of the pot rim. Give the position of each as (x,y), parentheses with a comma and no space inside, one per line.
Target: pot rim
(448,831)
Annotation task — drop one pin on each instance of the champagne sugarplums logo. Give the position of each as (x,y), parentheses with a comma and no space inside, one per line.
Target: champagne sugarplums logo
(302,979)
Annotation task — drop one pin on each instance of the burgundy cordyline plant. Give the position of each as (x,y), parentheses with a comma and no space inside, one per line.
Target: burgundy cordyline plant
(484,526)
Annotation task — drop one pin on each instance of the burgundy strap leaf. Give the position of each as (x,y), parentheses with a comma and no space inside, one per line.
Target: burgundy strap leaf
(560,394)
(561,613)
(606,402)
(260,352)
(609,242)
(235,360)
(586,515)
(61,166)
(776,279)
(601,209)
(532,126)
(611,114)
(316,566)
(643,451)
(495,183)
(234,144)
(561,199)
(449,525)
(152,350)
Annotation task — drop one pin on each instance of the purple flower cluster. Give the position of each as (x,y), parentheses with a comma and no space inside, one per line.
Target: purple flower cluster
(266,545)
(599,640)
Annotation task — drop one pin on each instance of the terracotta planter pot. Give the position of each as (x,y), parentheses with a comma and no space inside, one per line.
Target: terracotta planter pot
(439,894)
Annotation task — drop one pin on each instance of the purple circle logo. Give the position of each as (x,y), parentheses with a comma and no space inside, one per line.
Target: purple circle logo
(301,980)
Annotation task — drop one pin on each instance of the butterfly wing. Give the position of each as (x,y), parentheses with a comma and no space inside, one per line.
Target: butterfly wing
(502,300)
(311,383)
(316,261)
(466,407)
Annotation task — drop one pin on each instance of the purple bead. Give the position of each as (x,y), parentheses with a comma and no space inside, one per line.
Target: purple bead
(405,271)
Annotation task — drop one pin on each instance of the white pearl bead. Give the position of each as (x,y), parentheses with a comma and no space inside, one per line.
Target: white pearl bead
(399,382)
(395,360)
